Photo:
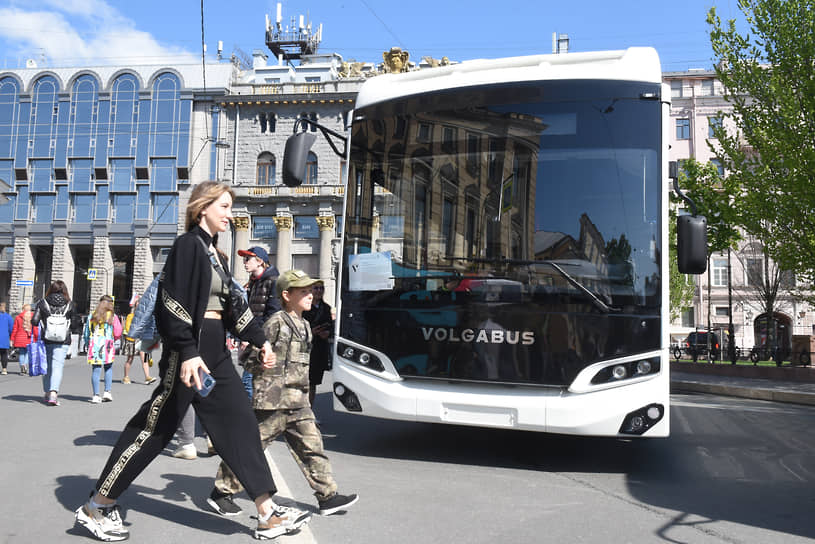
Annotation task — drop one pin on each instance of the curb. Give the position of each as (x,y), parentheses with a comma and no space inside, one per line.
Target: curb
(792,397)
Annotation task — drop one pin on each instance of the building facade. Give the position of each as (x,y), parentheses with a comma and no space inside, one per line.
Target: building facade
(697,103)
(96,163)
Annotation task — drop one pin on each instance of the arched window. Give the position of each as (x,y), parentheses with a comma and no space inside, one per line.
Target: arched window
(124,115)
(266,169)
(9,112)
(311,169)
(83,118)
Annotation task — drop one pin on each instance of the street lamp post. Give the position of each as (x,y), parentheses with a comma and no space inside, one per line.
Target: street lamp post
(731,339)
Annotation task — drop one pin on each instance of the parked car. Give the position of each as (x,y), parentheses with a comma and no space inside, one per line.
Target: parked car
(695,345)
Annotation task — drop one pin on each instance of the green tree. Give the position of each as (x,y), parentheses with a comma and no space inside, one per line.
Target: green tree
(769,78)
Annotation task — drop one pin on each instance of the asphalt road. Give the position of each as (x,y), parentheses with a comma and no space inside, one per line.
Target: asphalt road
(733,471)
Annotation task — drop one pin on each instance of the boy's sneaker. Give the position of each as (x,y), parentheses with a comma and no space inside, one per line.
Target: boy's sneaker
(337,503)
(104,523)
(223,504)
(283,520)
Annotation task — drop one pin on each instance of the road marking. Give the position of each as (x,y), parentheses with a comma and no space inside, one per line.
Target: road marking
(304,536)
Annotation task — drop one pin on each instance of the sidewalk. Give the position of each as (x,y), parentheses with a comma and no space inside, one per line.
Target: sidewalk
(750,388)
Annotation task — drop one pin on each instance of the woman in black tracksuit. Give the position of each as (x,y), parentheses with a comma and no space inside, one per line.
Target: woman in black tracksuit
(192,320)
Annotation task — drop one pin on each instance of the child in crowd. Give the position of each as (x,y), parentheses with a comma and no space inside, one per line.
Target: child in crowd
(281,402)
(23,333)
(130,348)
(102,329)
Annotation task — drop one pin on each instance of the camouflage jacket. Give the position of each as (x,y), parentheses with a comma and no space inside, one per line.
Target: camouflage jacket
(285,385)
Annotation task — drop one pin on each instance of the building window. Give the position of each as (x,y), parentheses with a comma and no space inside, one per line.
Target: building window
(44,208)
(80,174)
(448,139)
(786,279)
(266,169)
(83,208)
(719,271)
(124,115)
(165,209)
(305,228)
(676,88)
(162,175)
(123,175)
(310,177)
(268,121)
(754,270)
(713,123)
(393,226)
(41,175)
(124,208)
(687,318)
(718,164)
(472,162)
(707,87)
(683,129)
(447,223)
(424,133)
(722,311)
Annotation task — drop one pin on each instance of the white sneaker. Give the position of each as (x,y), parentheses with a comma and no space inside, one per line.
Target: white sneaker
(96,399)
(107,397)
(187,451)
(104,523)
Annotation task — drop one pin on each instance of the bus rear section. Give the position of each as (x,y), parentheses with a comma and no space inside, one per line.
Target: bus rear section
(503,247)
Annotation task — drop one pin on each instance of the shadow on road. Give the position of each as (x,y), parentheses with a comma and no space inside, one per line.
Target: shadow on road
(708,470)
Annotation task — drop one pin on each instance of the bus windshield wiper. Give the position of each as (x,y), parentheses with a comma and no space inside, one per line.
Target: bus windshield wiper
(568,277)
(594,298)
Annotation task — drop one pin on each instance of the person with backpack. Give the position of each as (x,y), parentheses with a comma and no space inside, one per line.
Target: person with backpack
(101,332)
(22,334)
(53,314)
(131,346)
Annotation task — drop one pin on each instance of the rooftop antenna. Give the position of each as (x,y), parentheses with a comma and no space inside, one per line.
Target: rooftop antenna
(293,42)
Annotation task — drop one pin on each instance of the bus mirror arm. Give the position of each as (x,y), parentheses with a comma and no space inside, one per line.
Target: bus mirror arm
(327,133)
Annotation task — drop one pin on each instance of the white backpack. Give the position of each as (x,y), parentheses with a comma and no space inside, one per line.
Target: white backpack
(57,326)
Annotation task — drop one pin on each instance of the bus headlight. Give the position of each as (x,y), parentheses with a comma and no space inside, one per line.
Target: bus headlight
(360,357)
(626,371)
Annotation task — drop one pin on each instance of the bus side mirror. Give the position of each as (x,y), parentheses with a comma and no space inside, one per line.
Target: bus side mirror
(691,244)
(295,157)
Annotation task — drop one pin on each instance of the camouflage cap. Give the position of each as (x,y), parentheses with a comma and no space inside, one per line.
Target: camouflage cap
(294,278)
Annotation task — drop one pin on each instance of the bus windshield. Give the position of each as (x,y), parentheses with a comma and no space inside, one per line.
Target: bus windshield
(505,233)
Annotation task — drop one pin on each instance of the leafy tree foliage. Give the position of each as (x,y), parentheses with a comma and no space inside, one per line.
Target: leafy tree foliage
(769,78)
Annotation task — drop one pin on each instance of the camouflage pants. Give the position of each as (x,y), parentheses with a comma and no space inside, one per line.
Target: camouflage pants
(305,444)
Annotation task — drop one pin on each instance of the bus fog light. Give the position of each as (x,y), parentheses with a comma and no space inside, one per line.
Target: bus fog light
(364,358)
(339,389)
(653,413)
(637,424)
(619,372)
(643,367)
(348,353)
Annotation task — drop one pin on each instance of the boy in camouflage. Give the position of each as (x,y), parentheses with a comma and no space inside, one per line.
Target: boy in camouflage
(281,402)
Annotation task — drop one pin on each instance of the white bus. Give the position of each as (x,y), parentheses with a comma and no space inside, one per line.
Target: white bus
(504,250)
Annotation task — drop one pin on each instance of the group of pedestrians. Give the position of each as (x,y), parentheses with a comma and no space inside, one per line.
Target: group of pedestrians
(196,307)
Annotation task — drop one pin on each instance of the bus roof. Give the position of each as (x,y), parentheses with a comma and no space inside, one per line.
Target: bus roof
(632,64)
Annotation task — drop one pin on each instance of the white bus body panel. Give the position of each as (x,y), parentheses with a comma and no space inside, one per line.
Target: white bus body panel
(598,413)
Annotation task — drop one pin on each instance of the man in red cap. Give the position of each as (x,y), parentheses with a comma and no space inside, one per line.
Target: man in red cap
(261,291)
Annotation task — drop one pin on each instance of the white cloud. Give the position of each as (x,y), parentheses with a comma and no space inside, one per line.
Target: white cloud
(77,32)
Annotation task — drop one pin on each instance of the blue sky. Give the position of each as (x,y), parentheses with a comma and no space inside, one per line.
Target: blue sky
(83,32)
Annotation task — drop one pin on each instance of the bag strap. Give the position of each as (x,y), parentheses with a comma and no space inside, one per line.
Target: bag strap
(290,322)
(213,259)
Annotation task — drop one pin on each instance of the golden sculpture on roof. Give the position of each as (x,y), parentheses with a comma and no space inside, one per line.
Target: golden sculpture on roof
(396,60)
